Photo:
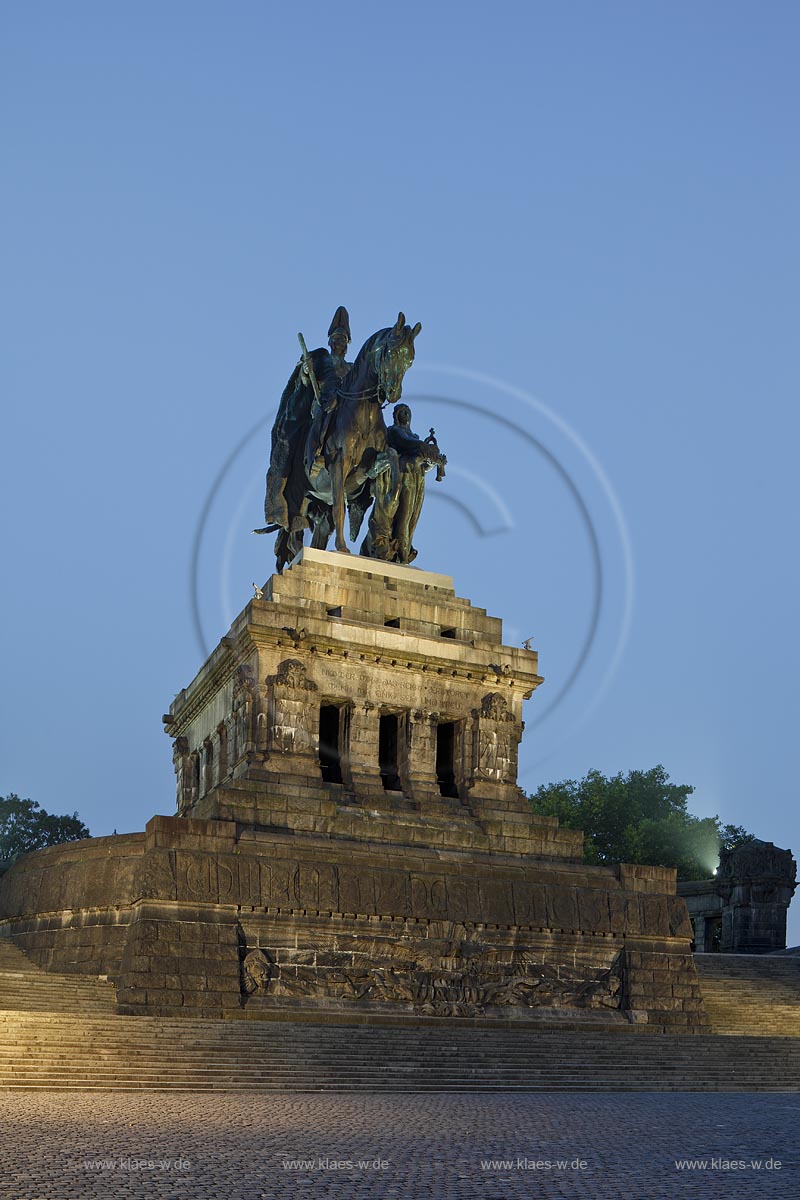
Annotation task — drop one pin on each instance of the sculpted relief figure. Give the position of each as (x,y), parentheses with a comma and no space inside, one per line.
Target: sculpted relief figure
(242,712)
(488,754)
(332,454)
(290,729)
(256,972)
(495,708)
(494,739)
(494,755)
(292,674)
(291,723)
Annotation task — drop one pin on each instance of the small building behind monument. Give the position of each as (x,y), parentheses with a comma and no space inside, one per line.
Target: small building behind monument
(742,910)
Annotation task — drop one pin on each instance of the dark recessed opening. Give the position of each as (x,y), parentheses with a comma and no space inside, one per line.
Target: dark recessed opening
(330,763)
(393,624)
(445,758)
(223,751)
(209,771)
(335,612)
(451,633)
(387,752)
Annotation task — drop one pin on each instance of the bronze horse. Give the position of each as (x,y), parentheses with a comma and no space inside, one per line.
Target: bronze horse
(339,473)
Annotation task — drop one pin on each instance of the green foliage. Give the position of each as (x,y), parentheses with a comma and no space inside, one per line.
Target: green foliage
(24,826)
(640,817)
(732,836)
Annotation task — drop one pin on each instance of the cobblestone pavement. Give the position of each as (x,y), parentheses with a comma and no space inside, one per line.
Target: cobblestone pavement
(439,1147)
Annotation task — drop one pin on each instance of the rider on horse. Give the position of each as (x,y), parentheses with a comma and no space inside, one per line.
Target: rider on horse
(330,453)
(299,414)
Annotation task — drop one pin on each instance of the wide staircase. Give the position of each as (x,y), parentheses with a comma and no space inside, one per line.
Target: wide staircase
(75,1044)
(748,994)
(25,986)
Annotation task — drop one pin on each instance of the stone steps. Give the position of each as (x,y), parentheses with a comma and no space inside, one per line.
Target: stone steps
(751,994)
(135,1053)
(24,986)
(60,1032)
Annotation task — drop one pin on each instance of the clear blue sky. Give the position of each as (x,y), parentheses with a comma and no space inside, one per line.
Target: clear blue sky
(593,205)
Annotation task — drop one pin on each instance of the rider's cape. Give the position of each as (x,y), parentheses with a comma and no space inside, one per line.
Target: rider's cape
(285,503)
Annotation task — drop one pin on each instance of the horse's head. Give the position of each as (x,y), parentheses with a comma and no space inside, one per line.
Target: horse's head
(395,356)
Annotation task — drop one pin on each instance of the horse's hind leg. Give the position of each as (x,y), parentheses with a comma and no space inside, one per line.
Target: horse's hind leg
(336,470)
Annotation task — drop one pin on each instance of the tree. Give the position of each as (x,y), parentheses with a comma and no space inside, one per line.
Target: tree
(732,836)
(24,826)
(640,817)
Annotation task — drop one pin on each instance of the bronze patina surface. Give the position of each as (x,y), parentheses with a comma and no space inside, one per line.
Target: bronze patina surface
(332,452)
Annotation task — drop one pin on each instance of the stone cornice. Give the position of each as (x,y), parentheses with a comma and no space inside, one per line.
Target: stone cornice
(233,652)
(425,659)
(401,652)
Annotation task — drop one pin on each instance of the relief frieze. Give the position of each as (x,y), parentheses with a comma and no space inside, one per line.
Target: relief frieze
(349,888)
(496,901)
(593,911)
(530,904)
(428,896)
(393,893)
(316,886)
(453,972)
(460,898)
(655,915)
(206,877)
(155,877)
(562,907)
(356,891)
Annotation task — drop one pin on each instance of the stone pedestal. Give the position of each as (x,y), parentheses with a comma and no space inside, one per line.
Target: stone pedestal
(350,839)
(393,662)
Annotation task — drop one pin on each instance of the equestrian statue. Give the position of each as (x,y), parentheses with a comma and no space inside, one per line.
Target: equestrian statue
(332,454)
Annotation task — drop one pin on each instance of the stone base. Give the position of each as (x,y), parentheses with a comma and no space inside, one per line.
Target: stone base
(351,840)
(206,918)
(483,823)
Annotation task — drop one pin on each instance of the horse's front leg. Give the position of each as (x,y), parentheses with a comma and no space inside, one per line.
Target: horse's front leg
(336,471)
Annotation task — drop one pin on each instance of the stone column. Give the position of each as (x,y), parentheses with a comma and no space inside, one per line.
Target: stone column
(422,755)
(293,722)
(365,772)
(404,769)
